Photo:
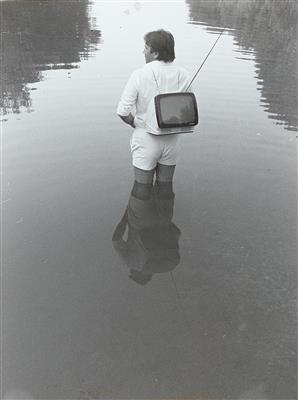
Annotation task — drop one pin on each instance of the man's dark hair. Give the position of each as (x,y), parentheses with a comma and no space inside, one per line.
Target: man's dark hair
(163,43)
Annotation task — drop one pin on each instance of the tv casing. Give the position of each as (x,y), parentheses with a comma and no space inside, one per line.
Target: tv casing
(183,124)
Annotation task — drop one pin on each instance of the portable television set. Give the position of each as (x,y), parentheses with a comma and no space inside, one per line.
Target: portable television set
(172,113)
(176,110)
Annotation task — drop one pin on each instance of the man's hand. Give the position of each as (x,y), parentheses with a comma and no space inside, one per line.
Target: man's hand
(128,119)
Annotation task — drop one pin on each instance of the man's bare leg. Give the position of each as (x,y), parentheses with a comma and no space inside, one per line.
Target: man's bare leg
(143,183)
(143,176)
(165,173)
(164,181)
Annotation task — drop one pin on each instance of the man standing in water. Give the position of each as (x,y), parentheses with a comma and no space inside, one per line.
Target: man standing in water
(152,154)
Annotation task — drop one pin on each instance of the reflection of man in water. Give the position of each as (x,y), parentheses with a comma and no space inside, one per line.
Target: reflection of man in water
(150,153)
(152,239)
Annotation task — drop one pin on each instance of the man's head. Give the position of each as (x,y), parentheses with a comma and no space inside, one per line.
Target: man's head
(159,45)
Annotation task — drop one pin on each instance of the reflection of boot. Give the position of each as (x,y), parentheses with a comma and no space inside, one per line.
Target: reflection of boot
(164,190)
(164,200)
(142,191)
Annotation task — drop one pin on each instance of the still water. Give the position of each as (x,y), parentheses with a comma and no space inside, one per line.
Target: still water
(217,317)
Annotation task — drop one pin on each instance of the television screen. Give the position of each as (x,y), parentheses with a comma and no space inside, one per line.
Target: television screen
(176,110)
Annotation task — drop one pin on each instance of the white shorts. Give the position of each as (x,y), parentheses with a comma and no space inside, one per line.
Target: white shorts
(147,150)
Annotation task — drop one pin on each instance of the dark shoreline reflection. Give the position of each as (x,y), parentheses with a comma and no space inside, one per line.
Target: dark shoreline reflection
(268,29)
(39,36)
(152,240)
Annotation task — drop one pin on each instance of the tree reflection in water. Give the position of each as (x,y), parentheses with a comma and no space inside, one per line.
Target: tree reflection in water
(38,36)
(269,28)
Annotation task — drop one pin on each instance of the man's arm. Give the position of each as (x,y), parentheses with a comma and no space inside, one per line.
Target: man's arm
(128,119)
(121,227)
(118,243)
(128,100)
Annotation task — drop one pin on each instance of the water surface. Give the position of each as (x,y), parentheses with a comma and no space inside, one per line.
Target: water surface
(220,321)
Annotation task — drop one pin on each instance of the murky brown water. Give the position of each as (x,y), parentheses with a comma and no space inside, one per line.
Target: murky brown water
(217,319)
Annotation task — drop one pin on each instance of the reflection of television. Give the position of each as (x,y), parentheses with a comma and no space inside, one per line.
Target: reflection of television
(175,110)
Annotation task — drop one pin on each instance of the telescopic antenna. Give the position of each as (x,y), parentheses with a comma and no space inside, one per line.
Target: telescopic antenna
(205,59)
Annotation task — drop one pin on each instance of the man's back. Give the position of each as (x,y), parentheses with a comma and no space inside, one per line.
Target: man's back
(154,78)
